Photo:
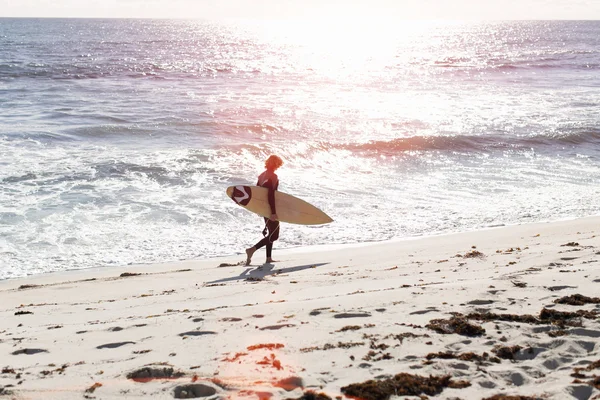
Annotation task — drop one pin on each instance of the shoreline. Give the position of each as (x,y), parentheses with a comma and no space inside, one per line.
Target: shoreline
(320,320)
(291,250)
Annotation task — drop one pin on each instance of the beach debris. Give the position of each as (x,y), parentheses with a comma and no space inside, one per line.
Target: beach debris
(557,333)
(237,264)
(577,300)
(8,370)
(28,287)
(519,284)
(401,336)
(93,388)
(562,316)
(570,244)
(489,316)
(270,361)
(193,391)
(377,356)
(23,312)
(470,356)
(472,254)
(402,384)
(235,358)
(456,324)
(312,395)
(349,328)
(506,352)
(329,346)
(511,397)
(129,274)
(268,346)
(147,374)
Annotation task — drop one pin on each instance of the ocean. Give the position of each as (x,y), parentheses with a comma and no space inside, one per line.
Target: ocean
(119,137)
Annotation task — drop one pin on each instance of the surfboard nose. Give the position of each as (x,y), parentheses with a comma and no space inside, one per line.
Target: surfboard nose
(240,194)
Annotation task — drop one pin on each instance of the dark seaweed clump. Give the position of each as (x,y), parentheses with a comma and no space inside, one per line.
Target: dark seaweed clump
(470,356)
(577,300)
(456,324)
(488,316)
(562,316)
(312,395)
(506,352)
(579,370)
(402,384)
(505,397)
(546,316)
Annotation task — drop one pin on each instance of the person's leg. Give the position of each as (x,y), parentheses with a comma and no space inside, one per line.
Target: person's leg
(273,227)
(269,252)
(250,251)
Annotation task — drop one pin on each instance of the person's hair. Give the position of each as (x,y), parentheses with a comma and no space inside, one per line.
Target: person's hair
(273,162)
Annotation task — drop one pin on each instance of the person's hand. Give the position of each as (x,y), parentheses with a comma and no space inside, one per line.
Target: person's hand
(274,217)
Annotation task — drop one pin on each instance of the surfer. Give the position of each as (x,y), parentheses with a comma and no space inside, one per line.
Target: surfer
(269,180)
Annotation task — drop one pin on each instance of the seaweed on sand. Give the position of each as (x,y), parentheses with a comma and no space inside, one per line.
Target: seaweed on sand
(506,397)
(402,384)
(470,356)
(577,300)
(456,324)
(506,352)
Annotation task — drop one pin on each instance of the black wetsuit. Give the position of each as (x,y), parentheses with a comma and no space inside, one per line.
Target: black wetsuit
(269,180)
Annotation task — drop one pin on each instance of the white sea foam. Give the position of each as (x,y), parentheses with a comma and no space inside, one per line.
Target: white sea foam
(123,156)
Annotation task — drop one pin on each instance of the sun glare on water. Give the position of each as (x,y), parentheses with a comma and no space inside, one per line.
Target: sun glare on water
(346,46)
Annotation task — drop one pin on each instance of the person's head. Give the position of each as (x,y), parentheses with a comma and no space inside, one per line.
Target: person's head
(273,162)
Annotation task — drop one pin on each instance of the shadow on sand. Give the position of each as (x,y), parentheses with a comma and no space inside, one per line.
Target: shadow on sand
(265,270)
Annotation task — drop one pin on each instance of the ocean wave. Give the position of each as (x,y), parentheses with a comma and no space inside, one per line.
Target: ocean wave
(60,71)
(471,143)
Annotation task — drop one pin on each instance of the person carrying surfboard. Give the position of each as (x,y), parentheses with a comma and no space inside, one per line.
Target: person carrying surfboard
(268,179)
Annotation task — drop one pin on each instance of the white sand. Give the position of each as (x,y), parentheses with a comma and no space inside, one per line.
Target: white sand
(337,317)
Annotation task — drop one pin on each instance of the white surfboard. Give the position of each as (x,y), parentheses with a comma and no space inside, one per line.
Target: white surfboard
(289,208)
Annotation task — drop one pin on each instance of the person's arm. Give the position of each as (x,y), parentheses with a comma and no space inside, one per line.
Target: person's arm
(272,201)
(272,189)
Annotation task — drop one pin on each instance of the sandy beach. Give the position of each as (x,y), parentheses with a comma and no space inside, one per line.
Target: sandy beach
(491,314)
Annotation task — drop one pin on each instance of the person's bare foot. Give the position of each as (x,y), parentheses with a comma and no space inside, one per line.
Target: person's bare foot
(249,253)
(270,261)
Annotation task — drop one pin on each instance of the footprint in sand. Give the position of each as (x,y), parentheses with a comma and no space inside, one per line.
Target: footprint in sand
(147,374)
(115,329)
(276,327)
(421,312)
(193,391)
(29,351)
(481,302)
(197,333)
(561,287)
(318,311)
(352,315)
(113,345)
